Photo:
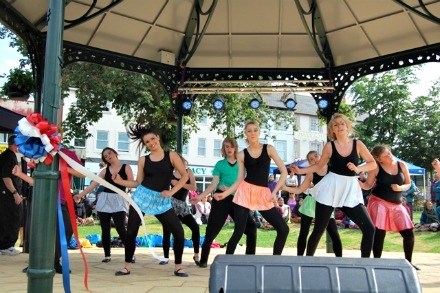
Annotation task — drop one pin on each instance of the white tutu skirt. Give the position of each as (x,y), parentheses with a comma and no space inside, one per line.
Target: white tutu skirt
(338,191)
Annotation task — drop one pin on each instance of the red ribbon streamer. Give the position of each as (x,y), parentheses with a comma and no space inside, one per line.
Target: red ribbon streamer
(70,207)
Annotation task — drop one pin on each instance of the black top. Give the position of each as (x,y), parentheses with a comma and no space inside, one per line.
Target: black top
(108,178)
(8,160)
(317,177)
(257,168)
(158,175)
(383,185)
(182,193)
(338,163)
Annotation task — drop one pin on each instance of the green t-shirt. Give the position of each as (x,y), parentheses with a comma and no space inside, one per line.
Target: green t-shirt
(226,173)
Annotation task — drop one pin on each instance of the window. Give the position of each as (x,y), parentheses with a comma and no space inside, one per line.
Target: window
(281,125)
(203,120)
(101,139)
(281,147)
(201,150)
(79,143)
(296,149)
(185,149)
(314,124)
(123,142)
(316,146)
(4,137)
(217,148)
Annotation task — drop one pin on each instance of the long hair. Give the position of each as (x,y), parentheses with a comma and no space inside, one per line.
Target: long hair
(378,150)
(137,131)
(102,154)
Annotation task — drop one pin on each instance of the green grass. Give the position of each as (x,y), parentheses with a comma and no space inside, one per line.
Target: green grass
(424,241)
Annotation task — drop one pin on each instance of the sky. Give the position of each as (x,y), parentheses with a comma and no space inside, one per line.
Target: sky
(428,74)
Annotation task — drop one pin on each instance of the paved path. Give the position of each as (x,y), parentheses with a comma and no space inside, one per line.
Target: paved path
(148,276)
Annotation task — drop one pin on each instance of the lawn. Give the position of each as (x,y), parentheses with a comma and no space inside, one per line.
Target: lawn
(425,241)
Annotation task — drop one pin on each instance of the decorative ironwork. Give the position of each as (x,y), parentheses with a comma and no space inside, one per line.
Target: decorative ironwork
(167,75)
(425,13)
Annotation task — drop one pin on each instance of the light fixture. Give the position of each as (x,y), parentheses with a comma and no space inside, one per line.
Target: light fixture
(323,104)
(218,104)
(290,103)
(254,103)
(186,105)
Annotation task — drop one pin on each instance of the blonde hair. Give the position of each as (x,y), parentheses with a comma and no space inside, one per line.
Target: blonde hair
(251,122)
(347,121)
(233,143)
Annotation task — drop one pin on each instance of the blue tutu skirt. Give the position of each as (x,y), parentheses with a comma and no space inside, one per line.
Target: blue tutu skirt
(151,202)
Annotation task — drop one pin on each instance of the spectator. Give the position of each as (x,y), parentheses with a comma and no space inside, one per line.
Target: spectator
(410,194)
(291,181)
(291,202)
(203,209)
(341,219)
(296,215)
(81,214)
(10,200)
(285,209)
(428,219)
(272,182)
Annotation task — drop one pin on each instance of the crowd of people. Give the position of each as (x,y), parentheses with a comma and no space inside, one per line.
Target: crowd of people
(333,192)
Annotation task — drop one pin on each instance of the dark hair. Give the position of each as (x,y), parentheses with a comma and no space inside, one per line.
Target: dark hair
(11,139)
(138,131)
(102,154)
(379,150)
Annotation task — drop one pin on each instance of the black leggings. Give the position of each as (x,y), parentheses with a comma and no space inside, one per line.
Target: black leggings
(168,219)
(105,222)
(332,230)
(189,221)
(408,243)
(217,218)
(358,215)
(272,216)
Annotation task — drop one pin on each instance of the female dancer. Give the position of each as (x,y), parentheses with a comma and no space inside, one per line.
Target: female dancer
(307,209)
(385,203)
(110,204)
(225,174)
(153,193)
(252,193)
(340,188)
(182,211)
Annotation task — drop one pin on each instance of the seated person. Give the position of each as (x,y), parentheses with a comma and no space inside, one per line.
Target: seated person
(341,219)
(285,209)
(291,202)
(296,215)
(81,214)
(428,219)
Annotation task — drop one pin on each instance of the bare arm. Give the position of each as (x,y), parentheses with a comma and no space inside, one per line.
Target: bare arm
(370,163)
(177,163)
(304,185)
(240,178)
(407,179)
(130,183)
(371,179)
(17,172)
(325,157)
(90,188)
(209,189)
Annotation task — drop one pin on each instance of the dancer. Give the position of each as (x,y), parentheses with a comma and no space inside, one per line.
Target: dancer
(183,212)
(252,192)
(385,204)
(224,175)
(110,204)
(340,188)
(307,209)
(153,193)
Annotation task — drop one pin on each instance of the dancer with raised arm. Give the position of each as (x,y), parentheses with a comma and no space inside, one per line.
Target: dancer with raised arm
(340,187)
(152,195)
(308,206)
(252,191)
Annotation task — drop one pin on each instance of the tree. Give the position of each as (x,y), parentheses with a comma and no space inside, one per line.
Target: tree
(385,100)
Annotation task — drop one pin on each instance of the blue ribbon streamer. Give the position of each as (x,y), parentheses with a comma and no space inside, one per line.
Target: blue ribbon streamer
(63,242)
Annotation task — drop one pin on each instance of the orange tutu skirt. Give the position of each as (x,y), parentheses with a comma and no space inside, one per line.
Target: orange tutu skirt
(388,216)
(253,197)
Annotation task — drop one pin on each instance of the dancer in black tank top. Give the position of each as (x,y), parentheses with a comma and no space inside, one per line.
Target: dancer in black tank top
(307,209)
(153,184)
(252,192)
(340,187)
(385,203)
(109,204)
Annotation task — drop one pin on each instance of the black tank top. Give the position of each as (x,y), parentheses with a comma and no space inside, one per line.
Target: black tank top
(317,177)
(182,193)
(338,163)
(108,178)
(158,175)
(383,185)
(257,169)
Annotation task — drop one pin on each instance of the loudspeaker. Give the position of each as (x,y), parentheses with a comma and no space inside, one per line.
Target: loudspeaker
(267,273)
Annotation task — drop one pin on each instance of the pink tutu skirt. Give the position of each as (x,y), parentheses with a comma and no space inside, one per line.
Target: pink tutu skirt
(388,216)
(253,197)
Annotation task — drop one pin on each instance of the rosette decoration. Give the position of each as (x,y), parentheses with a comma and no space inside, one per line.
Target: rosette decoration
(37,139)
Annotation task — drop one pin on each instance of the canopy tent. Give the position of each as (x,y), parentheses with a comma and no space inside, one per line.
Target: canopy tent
(416,171)
(8,120)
